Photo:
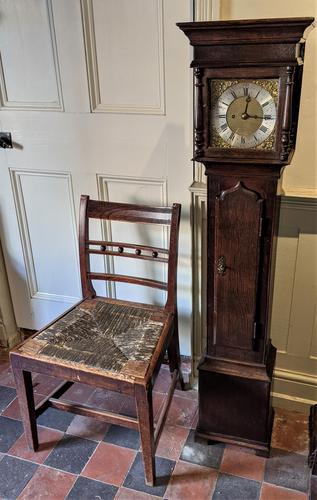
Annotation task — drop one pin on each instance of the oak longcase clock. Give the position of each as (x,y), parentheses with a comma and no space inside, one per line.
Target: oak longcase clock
(247,93)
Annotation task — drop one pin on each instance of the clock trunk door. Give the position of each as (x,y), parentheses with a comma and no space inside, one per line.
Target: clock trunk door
(238,217)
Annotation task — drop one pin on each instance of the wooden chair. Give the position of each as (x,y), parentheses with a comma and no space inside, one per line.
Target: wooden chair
(109,343)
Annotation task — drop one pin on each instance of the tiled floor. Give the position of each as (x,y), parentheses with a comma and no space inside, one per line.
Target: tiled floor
(81,458)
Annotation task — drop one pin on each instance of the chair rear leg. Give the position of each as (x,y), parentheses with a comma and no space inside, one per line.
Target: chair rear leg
(24,387)
(174,357)
(143,399)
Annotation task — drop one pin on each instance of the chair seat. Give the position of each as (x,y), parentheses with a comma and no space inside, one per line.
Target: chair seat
(105,335)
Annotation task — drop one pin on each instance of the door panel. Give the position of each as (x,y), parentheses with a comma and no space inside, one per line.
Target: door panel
(137,86)
(237,225)
(131,142)
(46,227)
(29,72)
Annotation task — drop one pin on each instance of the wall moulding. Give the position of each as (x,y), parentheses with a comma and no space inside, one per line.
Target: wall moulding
(104,183)
(40,105)
(199,242)
(97,102)
(26,241)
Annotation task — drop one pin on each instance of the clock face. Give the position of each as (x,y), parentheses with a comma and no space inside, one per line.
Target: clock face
(243,113)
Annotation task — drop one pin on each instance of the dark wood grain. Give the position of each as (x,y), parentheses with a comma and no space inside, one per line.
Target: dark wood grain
(123,278)
(109,343)
(263,48)
(89,411)
(238,221)
(24,388)
(246,31)
(235,372)
(144,406)
(129,212)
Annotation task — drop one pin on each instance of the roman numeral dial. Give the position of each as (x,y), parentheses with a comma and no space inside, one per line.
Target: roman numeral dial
(244,113)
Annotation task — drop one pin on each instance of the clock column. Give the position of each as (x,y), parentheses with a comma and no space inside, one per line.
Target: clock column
(236,370)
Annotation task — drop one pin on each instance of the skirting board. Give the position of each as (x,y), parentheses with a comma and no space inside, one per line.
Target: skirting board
(294,391)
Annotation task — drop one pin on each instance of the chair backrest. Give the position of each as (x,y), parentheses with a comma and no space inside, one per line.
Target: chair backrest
(103,210)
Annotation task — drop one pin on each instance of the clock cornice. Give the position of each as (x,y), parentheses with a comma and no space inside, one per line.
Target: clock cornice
(248,42)
(248,31)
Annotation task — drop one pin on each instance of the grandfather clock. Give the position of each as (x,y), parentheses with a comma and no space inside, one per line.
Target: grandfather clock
(247,91)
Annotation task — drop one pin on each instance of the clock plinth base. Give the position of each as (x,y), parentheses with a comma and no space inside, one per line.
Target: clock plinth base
(235,402)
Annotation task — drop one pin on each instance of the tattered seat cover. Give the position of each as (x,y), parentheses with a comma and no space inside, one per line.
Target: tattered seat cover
(103,335)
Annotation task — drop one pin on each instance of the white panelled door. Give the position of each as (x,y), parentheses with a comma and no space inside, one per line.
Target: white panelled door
(96,95)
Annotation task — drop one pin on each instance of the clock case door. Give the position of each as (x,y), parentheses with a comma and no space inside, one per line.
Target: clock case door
(242,226)
(286,118)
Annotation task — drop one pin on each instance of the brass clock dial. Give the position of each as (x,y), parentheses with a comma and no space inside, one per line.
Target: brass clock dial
(243,115)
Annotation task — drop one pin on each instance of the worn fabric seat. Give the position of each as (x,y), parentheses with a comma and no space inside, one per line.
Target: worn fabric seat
(109,343)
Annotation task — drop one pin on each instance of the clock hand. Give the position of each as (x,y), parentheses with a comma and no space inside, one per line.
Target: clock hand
(255,116)
(248,99)
(245,115)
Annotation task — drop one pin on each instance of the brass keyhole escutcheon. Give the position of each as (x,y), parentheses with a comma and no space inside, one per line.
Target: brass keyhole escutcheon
(221,266)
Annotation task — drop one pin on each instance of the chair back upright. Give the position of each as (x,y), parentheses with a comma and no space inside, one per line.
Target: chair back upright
(125,212)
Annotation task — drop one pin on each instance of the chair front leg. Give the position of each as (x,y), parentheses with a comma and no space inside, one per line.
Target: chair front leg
(24,387)
(143,399)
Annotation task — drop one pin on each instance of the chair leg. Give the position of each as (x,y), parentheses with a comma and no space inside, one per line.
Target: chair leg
(174,357)
(143,399)
(24,387)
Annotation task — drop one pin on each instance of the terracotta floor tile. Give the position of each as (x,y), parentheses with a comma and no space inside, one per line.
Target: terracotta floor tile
(191,481)
(44,384)
(243,449)
(181,412)
(13,410)
(242,464)
(107,400)
(290,431)
(48,438)
(189,394)
(163,380)
(48,483)
(129,408)
(271,492)
(109,463)
(172,441)
(79,393)
(158,400)
(127,494)
(6,377)
(88,428)
(4,365)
